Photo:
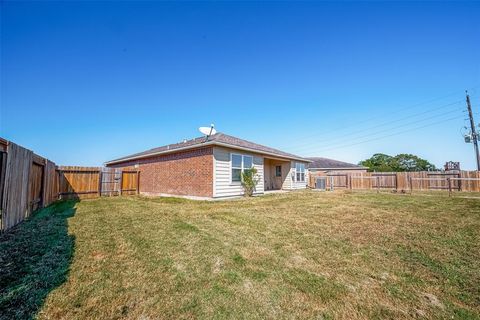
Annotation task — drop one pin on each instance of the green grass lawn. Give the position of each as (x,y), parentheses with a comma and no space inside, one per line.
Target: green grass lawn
(296,255)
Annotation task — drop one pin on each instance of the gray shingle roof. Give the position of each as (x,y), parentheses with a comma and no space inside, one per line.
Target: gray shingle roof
(216,139)
(325,163)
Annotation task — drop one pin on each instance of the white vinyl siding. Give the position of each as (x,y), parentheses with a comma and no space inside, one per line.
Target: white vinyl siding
(222,167)
(223,185)
(287,183)
(291,182)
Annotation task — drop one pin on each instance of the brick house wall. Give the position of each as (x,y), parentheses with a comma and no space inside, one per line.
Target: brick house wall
(188,172)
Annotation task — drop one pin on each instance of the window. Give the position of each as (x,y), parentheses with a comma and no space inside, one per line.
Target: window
(300,172)
(278,171)
(239,164)
(236,167)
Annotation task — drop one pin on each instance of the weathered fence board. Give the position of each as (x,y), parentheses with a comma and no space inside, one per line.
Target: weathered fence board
(35,192)
(3,168)
(50,188)
(111,182)
(17,173)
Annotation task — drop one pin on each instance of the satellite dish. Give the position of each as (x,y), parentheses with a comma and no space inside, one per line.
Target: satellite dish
(208,131)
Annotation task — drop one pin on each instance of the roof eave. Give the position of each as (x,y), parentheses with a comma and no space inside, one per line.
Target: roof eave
(261,152)
(208,143)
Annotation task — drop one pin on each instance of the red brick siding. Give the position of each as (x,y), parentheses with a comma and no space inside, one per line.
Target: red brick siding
(182,173)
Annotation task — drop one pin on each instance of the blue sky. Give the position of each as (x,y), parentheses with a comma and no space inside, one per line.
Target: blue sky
(85,82)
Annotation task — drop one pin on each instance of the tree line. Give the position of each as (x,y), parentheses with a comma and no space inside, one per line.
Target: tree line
(381,162)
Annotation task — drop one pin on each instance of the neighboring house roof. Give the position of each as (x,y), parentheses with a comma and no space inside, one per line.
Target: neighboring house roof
(330,164)
(219,139)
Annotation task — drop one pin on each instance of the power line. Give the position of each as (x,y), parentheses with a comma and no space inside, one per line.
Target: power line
(296,146)
(384,114)
(393,134)
(382,131)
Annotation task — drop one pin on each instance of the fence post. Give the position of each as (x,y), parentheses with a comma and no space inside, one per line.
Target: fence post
(100,183)
(410,184)
(138,181)
(58,178)
(378,184)
(44,183)
(121,182)
(449,187)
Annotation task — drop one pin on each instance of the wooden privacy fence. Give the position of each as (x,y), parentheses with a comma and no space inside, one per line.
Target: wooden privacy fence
(468,181)
(29,182)
(92,182)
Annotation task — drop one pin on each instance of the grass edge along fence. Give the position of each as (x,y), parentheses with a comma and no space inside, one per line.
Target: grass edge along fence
(451,181)
(29,182)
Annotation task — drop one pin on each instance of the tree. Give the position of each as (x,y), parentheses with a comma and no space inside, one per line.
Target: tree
(249,181)
(380,162)
(410,162)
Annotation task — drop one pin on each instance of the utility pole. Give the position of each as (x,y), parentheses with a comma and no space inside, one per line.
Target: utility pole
(474,133)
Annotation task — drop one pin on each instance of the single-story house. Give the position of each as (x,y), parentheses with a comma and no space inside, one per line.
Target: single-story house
(325,165)
(211,167)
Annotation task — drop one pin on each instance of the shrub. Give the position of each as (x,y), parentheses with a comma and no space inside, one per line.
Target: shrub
(249,181)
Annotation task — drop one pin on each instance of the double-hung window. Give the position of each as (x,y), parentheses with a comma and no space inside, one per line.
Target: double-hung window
(300,172)
(239,164)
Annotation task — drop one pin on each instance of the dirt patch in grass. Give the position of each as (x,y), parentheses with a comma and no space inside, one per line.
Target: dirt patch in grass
(283,256)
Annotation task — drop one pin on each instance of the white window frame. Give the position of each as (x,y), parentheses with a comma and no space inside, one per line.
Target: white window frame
(301,172)
(242,168)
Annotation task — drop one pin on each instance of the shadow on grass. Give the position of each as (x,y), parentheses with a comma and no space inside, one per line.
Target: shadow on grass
(34,259)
